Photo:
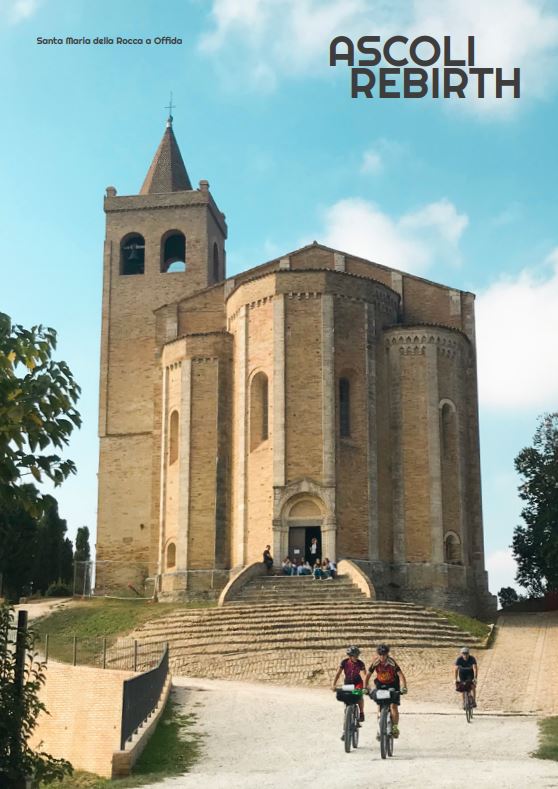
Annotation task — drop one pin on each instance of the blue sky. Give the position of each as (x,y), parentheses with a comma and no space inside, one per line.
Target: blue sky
(460,191)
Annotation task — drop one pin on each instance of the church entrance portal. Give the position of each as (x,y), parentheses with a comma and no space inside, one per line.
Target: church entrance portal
(300,540)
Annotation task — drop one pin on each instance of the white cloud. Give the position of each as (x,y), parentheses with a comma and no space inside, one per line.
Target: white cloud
(19,10)
(501,569)
(291,37)
(372,162)
(412,242)
(381,153)
(517,326)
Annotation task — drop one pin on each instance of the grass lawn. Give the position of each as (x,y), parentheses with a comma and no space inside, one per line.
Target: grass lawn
(172,750)
(466,623)
(548,739)
(92,620)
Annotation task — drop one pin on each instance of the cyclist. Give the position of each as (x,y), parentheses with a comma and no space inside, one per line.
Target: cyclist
(466,671)
(352,667)
(388,675)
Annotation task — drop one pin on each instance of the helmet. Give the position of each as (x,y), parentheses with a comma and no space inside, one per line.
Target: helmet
(464,650)
(382,649)
(353,651)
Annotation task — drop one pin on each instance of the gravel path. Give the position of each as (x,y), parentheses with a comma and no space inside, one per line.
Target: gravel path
(262,737)
(520,672)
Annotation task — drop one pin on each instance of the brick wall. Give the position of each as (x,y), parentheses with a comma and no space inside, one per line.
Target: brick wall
(85,713)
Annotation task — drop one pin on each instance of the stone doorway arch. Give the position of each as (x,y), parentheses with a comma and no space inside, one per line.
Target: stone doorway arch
(304,522)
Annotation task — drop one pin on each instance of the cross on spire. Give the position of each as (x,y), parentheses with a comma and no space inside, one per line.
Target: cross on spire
(169,107)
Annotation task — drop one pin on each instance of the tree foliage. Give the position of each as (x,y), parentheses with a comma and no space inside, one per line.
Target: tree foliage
(535,544)
(37,413)
(507,596)
(34,552)
(20,709)
(83,551)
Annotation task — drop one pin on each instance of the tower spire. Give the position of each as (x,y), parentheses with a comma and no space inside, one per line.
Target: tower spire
(167,172)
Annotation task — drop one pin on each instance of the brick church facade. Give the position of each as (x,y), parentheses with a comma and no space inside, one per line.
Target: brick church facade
(318,394)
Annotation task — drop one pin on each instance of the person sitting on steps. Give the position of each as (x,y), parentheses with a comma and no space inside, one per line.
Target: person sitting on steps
(305,569)
(330,568)
(317,572)
(287,566)
(352,667)
(388,675)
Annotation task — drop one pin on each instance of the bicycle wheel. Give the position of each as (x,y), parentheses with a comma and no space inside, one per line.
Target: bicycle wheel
(390,737)
(356,715)
(383,732)
(348,729)
(469,708)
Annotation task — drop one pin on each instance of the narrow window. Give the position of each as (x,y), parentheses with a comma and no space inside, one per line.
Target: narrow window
(173,438)
(132,254)
(215,262)
(173,252)
(448,430)
(344,408)
(171,554)
(452,549)
(258,410)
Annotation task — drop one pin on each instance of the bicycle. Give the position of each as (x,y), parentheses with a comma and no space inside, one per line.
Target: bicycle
(384,698)
(350,698)
(468,700)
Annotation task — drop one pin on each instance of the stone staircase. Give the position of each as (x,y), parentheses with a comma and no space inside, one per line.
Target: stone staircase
(294,630)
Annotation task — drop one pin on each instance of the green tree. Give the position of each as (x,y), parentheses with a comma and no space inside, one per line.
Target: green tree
(83,551)
(507,596)
(535,544)
(20,707)
(37,413)
(18,547)
(54,553)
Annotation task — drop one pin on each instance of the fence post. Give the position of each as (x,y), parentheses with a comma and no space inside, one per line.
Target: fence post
(74,661)
(19,678)
(104,652)
(135,655)
(46,648)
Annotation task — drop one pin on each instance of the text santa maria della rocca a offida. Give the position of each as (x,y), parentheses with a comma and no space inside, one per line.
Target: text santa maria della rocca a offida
(419,68)
(107,41)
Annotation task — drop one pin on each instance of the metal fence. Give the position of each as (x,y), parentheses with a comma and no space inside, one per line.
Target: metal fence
(127,654)
(112,578)
(140,696)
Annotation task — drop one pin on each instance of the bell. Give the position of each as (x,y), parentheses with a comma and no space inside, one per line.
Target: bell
(133,254)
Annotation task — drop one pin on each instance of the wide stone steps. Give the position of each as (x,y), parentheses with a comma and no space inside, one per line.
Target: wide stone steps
(294,630)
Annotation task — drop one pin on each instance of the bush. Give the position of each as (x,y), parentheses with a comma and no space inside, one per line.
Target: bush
(58,589)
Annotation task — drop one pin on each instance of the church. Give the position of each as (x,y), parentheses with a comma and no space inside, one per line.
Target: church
(318,395)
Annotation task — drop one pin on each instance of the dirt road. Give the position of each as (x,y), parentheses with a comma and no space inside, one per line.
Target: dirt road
(265,737)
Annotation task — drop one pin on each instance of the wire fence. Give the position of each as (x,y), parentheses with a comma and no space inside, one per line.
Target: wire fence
(127,654)
(112,578)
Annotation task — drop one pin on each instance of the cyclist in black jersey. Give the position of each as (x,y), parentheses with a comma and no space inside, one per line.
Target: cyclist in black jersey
(466,672)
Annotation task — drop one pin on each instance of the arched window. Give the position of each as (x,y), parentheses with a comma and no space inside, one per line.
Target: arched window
(173,437)
(344,407)
(448,430)
(258,410)
(216,275)
(171,554)
(452,549)
(132,254)
(173,252)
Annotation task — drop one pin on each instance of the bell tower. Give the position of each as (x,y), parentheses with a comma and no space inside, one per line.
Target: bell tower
(163,244)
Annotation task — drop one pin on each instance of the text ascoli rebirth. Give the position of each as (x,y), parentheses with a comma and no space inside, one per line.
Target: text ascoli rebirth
(401,68)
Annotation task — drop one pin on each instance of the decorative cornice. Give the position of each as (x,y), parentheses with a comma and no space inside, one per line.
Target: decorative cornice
(415,344)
